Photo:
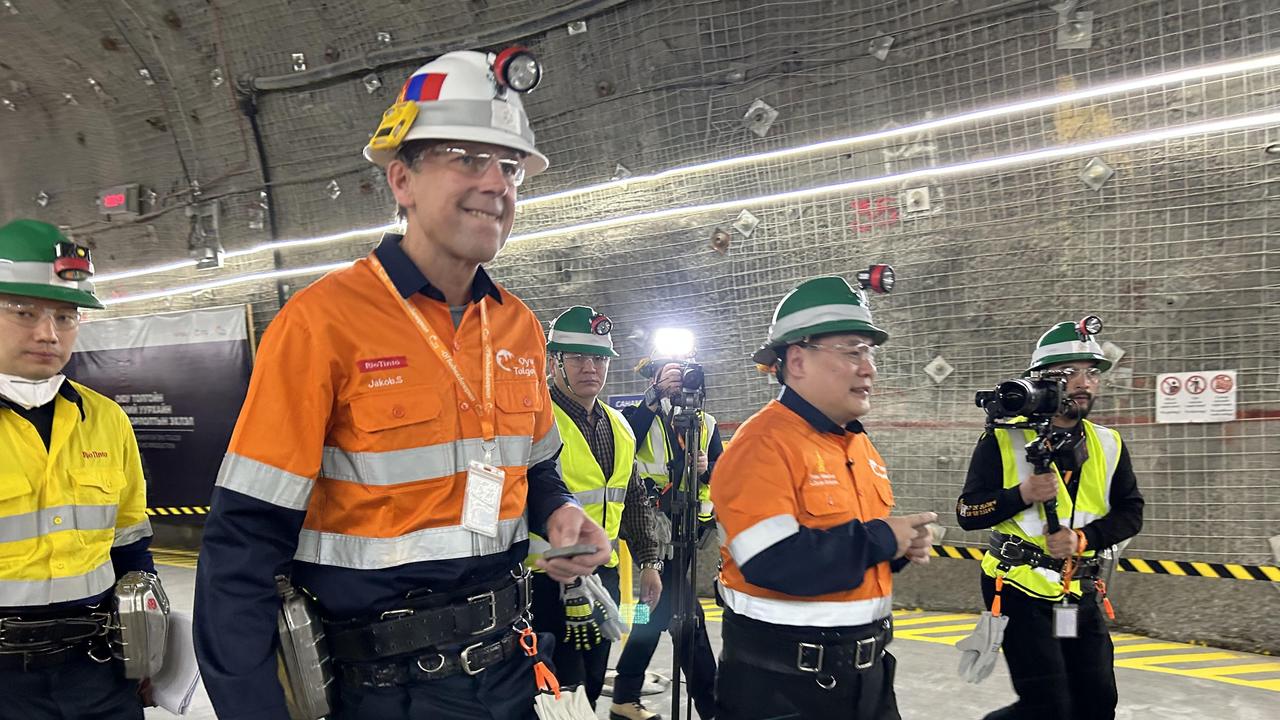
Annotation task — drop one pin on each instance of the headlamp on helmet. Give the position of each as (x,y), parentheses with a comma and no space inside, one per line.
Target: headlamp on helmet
(516,68)
(1089,325)
(72,261)
(878,278)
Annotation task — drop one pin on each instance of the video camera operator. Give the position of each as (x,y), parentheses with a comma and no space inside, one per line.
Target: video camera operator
(660,455)
(1055,641)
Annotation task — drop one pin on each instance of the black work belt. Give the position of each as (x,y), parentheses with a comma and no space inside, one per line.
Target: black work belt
(30,635)
(435,666)
(410,630)
(1013,550)
(805,651)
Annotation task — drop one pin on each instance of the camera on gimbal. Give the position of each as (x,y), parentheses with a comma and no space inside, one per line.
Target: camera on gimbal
(1033,398)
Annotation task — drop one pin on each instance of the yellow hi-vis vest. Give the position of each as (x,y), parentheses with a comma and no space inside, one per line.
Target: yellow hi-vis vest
(602,498)
(62,510)
(655,452)
(1093,500)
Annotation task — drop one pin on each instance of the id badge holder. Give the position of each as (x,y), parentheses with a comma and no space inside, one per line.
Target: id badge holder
(483,498)
(1065,620)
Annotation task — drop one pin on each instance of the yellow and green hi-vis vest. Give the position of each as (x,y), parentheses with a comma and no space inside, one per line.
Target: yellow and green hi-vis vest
(1093,500)
(601,498)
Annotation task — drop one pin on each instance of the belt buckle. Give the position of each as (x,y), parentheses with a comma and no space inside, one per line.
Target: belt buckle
(395,614)
(1012,550)
(465,656)
(493,611)
(809,657)
(870,645)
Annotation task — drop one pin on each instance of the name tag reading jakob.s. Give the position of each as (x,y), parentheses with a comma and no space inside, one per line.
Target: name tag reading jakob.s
(483,499)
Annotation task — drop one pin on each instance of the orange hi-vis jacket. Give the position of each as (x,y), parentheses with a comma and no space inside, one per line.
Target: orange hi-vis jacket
(377,434)
(801,501)
(349,462)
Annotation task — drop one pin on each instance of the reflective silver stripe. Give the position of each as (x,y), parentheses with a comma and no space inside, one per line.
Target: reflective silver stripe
(133,533)
(1110,441)
(26,593)
(430,462)
(657,443)
(547,447)
(1071,347)
(444,543)
(830,613)
(565,337)
(265,482)
(817,315)
(38,273)
(56,519)
(764,534)
(602,495)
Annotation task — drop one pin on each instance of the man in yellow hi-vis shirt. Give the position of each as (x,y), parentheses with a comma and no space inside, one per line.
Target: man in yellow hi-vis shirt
(72,495)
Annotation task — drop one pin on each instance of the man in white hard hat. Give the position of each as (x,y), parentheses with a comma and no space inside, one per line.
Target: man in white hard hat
(396,446)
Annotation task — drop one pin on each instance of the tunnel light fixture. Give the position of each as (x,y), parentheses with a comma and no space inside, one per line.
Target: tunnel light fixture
(1028,158)
(916,129)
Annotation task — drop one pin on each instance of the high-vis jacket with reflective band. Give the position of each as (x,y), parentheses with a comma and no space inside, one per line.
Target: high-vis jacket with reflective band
(64,509)
(800,500)
(349,465)
(602,499)
(653,457)
(1092,501)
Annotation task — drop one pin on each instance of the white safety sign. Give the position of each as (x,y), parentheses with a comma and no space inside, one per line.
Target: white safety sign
(1196,397)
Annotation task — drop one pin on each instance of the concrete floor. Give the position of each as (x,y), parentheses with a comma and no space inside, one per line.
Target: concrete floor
(1156,679)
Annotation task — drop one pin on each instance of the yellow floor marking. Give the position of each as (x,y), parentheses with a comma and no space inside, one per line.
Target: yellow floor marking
(929,620)
(917,631)
(1144,662)
(1145,647)
(1245,669)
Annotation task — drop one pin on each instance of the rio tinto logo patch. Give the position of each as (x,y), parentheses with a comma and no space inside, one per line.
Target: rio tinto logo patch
(508,361)
(380,364)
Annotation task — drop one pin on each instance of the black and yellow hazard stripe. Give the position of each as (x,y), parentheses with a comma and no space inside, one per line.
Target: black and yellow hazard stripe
(1228,571)
(170,511)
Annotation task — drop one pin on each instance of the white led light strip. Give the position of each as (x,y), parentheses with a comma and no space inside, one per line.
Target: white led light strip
(930,173)
(1122,87)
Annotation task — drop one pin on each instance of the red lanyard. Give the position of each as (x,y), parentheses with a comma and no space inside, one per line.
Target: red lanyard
(484,410)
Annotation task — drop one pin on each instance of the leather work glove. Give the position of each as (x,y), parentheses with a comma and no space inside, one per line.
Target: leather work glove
(608,616)
(662,535)
(979,651)
(580,628)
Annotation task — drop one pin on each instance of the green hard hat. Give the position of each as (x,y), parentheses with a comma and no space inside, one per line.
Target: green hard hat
(581,330)
(1065,342)
(37,260)
(820,306)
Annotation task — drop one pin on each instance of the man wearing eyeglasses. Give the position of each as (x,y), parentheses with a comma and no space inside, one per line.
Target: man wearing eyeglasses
(72,495)
(599,467)
(1056,641)
(397,444)
(810,548)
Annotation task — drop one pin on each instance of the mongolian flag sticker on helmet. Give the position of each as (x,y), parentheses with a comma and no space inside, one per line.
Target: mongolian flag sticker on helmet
(423,88)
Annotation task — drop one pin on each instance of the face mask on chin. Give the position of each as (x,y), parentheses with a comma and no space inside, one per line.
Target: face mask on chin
(29,394)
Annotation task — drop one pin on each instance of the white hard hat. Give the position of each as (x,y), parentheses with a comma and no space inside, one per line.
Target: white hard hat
(458,96)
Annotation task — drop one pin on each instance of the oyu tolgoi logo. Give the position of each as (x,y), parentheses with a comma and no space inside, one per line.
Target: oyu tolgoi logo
(508,361)
(93,454)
